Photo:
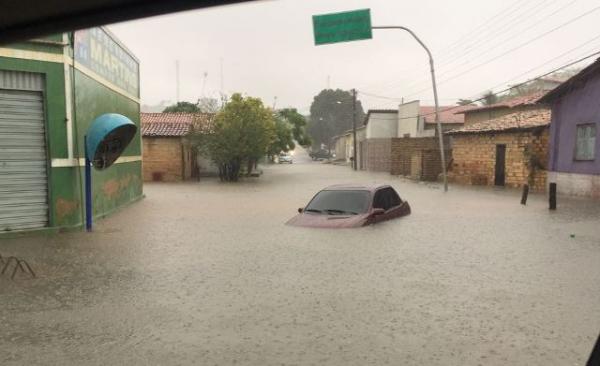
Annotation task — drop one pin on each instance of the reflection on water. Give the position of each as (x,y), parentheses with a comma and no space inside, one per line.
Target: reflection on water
(206,273)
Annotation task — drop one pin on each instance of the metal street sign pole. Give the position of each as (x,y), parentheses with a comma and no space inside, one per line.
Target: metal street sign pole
(435,96)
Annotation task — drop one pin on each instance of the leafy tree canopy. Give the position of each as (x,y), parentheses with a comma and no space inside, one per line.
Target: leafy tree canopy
(242,133)
(298,124)
(283,140)
(182,107)
(331,114)
(465,102)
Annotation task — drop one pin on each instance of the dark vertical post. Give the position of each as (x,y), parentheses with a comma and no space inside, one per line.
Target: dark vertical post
(552,197)
(354,160)
(88,189)
(525,193)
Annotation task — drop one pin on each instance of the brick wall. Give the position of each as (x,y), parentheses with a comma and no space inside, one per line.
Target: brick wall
(418,157)
(162,156)
(474,158)
(378,154)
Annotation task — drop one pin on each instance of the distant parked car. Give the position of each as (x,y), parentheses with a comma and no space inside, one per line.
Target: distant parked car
(285,158)
(319,154)
(342,206)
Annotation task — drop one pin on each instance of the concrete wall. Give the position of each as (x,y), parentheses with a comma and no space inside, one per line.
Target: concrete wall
(382,125)
(580,106)
(339,148)
(408,120)
(377,154)
(474,158)
(572,184)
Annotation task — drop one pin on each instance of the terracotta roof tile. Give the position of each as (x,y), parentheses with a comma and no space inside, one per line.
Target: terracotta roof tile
(447,114)
(173,124)
(511,122)
(530,99)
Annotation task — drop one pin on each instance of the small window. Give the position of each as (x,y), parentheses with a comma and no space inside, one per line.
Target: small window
(585,142)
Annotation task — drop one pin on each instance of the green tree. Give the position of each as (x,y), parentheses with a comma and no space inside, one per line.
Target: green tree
(298,123)
(331,114)
(283,140)
(464,102)
(242,133)
(182,107)
(489,98)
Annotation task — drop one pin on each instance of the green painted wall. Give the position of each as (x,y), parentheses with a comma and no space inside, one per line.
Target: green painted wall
(112,188)
(121,183)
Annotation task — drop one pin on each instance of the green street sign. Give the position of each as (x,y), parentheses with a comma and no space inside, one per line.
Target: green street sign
(342,27)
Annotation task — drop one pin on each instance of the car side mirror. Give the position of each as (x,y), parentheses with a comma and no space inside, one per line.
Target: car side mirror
(300,210)
(377,212)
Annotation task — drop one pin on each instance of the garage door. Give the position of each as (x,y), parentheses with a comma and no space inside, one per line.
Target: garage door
(23,171)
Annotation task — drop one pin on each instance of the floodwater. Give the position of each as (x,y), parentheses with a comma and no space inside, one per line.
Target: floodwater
(206,273)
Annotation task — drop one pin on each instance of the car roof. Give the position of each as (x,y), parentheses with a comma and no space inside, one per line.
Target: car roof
(355,187)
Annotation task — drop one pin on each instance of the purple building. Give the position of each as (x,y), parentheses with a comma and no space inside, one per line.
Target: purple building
(574,151)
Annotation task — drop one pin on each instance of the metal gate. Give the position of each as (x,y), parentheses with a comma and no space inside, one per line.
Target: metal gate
(23,160)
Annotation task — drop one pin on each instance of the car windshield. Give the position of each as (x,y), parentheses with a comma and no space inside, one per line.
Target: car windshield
(342,201)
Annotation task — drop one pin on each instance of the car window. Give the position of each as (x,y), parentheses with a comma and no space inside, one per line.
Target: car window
(394,198)
(379,200)
(344,201)
(386,198)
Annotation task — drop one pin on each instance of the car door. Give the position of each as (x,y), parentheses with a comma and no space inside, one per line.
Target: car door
(379,202)
(397,207)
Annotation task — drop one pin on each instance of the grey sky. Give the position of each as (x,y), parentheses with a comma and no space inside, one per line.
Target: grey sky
(267,48)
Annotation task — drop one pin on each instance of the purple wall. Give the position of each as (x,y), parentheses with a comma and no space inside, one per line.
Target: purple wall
(582,105)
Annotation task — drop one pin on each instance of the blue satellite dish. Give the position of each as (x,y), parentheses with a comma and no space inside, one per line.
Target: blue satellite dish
(107,137)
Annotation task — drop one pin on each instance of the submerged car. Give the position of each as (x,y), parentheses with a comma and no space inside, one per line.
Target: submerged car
(285,158)
(343,206)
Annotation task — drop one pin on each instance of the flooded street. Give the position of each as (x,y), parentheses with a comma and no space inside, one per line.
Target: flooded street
(207,273)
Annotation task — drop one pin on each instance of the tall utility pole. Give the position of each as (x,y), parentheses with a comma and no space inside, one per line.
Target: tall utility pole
(177,81)
(435,96)
(354,161)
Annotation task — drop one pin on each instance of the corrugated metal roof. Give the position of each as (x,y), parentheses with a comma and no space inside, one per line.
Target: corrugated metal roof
(525,120)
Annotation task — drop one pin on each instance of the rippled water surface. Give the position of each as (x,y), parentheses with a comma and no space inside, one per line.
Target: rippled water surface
(206,273)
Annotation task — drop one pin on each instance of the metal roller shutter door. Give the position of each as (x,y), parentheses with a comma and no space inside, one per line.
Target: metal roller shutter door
(23,169)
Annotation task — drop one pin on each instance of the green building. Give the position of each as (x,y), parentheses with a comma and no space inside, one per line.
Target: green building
(51,89)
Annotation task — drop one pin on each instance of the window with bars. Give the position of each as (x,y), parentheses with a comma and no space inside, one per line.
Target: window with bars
(585,142)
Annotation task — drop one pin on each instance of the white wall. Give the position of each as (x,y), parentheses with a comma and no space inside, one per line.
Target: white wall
(408,120)
(382,125)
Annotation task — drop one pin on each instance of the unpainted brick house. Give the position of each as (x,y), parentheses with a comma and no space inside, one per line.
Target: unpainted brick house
(511,150)
(167,153)
(522,103)
(403,141)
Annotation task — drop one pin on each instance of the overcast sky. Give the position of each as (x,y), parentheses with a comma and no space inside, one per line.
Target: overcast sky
(266,49)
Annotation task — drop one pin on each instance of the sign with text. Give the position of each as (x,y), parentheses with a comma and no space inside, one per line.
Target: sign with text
(99,52)
(342,27)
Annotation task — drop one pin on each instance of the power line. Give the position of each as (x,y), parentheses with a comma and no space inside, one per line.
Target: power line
(517,85)
(513,49)
(548,61)
(476,39)
(486,50)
